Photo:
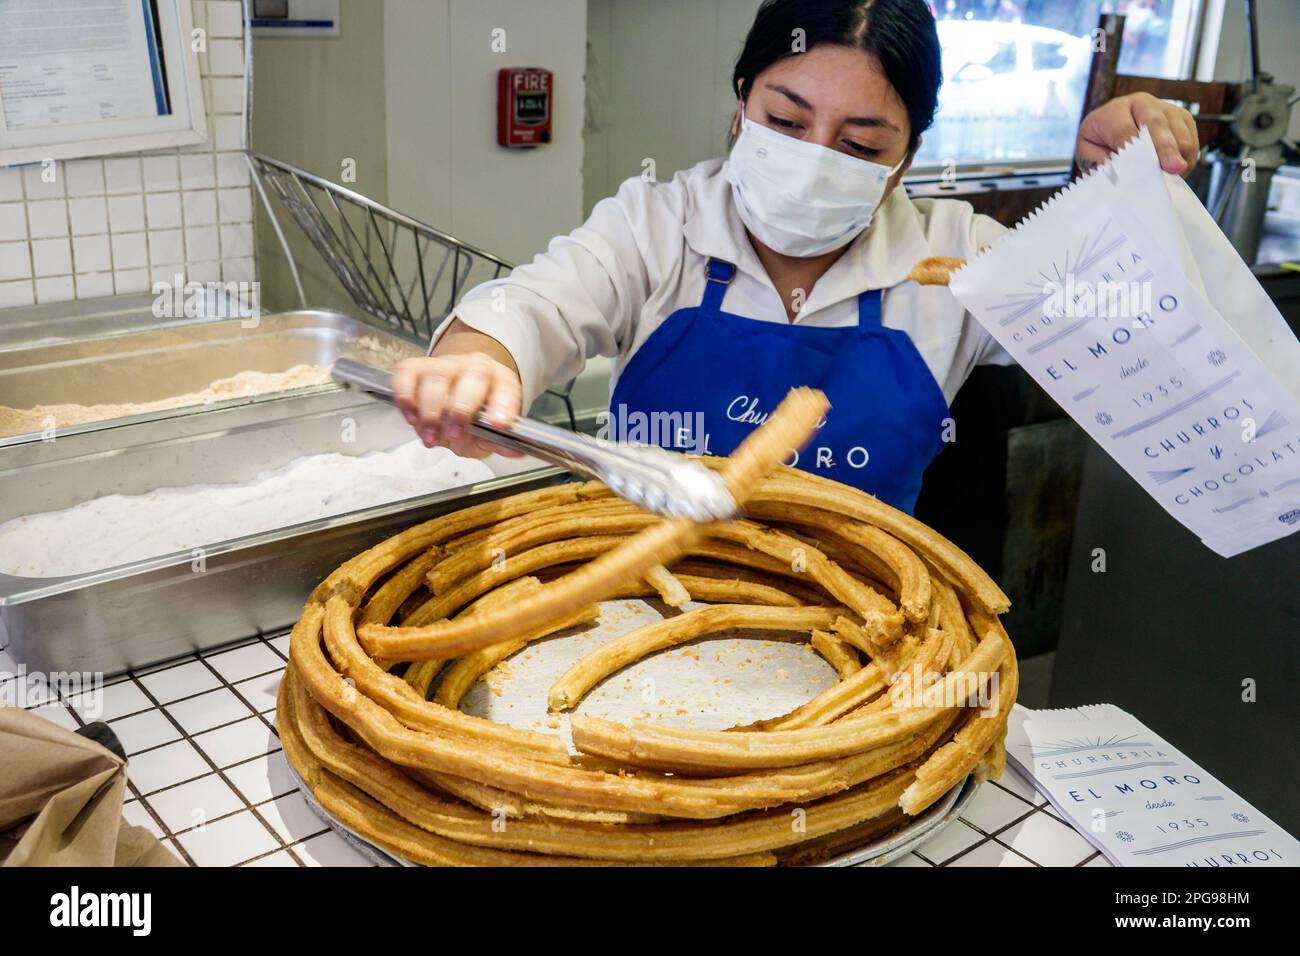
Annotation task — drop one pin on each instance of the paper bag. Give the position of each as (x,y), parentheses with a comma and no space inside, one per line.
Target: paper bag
(1124,301)
(61,800)
(1136,797)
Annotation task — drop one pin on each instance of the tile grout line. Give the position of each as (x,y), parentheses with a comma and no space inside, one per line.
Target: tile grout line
(263,856)
(991,834)
(974,846)
(985,842)
(986,836)
(188,697)
(1043,810)
(1006,789)
(293,855)
(130,784)
(260,639)
(237,811)
(188,658)
(207,730)
(168,836)
(274,649)
(238,763)
(244,700)
(993,837)
(211,763)
(156,706)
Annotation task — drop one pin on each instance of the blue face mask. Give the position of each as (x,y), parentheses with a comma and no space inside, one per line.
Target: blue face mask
(798,198)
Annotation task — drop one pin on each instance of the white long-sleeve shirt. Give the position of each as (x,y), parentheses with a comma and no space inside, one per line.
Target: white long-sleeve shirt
(608,285)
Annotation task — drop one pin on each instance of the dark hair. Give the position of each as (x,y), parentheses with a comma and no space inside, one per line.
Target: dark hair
(900,33)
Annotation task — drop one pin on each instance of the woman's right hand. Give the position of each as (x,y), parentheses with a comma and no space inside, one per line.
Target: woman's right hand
(468,372)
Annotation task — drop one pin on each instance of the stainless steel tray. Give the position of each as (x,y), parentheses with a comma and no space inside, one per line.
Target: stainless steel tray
(731,678)
(149,610)
(146,611)
(144,359)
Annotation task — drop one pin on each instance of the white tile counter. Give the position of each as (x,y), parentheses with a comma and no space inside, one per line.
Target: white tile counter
(207,775)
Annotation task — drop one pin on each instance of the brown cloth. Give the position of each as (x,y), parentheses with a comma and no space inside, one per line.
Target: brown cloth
(61,800)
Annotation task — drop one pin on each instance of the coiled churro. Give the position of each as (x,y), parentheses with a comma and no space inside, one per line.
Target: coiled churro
(927,675)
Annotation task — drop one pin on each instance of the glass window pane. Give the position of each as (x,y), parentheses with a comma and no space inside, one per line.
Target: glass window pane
(1015,71)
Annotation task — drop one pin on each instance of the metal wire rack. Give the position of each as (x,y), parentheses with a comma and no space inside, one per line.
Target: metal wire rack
(399,271)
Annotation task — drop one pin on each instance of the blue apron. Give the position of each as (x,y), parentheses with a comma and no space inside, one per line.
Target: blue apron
(706,378)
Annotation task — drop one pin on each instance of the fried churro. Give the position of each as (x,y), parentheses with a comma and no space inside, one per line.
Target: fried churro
(935,270)
(390,643)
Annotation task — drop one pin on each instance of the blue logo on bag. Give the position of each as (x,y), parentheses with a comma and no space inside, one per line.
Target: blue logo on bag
(1289,517)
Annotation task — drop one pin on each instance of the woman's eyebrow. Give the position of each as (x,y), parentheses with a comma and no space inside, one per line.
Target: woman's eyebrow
(791,95)
(874,122)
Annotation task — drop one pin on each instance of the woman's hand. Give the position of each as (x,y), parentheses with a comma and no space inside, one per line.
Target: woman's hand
(1111,125)
(467,373)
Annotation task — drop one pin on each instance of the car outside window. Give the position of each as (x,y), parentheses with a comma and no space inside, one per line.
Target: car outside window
(1015,72)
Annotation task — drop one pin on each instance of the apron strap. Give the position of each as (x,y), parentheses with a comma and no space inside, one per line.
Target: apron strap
(718,276)
(869,309)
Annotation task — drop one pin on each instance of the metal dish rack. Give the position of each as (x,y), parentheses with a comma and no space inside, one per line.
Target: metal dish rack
(402,273)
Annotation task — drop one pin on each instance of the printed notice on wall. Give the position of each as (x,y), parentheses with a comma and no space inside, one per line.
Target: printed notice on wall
(1123,300)
(79,61)
(1137,798)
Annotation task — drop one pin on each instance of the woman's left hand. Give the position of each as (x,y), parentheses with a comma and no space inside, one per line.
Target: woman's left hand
(1111,125)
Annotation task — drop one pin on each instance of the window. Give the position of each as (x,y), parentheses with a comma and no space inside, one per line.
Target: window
(1015,72)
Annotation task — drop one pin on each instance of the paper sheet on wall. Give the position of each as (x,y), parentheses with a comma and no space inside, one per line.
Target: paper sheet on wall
(1136,797)
(1122,298)
(81,61)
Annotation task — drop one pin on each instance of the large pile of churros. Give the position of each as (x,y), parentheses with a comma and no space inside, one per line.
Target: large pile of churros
(389,644)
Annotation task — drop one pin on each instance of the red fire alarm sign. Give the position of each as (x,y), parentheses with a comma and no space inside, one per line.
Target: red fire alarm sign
(523,106)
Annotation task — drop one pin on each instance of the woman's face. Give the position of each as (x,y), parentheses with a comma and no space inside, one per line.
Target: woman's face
(834,96)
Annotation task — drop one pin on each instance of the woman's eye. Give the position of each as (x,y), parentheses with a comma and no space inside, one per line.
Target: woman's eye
(860,149)
(781,123)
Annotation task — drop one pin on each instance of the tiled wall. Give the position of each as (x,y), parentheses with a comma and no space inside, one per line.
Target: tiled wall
(118,224)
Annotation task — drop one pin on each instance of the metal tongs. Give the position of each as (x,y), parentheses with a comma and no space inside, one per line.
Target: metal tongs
(660,481)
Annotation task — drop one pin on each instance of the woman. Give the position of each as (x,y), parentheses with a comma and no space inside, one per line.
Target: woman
(783,265)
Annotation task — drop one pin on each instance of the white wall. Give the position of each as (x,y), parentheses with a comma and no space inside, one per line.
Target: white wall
(661,71)
(318,101)
(408,92)
(444,164)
